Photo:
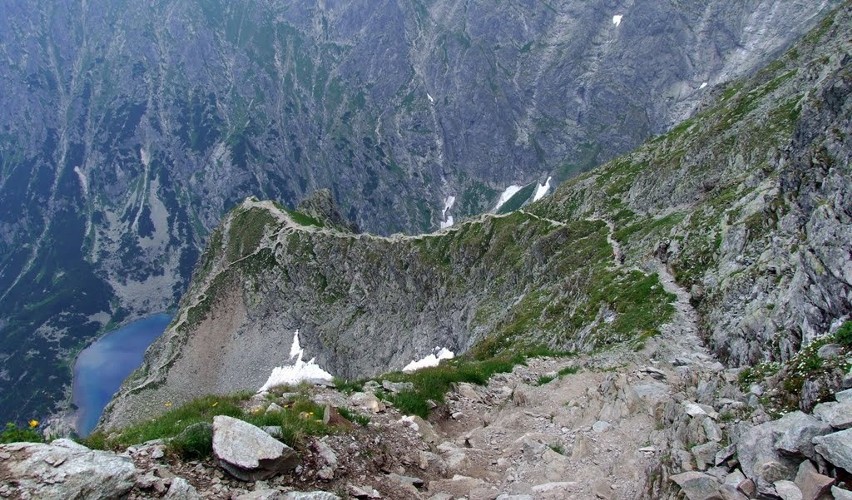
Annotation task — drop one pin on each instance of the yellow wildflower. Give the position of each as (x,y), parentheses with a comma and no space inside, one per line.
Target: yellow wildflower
(214,404)
(168,404)
(33,424)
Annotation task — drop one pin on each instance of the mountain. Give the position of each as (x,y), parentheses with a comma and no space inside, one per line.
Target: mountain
(737,222)
(130,128)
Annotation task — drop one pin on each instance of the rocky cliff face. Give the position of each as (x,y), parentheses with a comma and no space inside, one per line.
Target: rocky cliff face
(741,212)
(130,128)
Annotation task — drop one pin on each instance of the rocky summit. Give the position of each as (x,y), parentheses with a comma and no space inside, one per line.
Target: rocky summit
(676,323)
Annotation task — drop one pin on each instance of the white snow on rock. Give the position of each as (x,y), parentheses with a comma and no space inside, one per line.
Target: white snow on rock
(84,183)
(448,204)
(616,20)
(430,98)
(447,223)
(507,194)
(432,359)
(297,372)
(703,85)
(542,190)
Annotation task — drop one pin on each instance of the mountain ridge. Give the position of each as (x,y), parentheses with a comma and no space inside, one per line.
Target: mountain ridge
(581,264)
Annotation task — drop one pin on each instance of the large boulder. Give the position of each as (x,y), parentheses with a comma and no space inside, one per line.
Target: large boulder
(759,459)
(836,448)
(63,469)
(838,415)
(249,453)
(799,429)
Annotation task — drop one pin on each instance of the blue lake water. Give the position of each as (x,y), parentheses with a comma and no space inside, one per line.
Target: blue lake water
(102,367)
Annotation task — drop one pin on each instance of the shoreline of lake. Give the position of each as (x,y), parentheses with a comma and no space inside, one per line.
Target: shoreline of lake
(101,368)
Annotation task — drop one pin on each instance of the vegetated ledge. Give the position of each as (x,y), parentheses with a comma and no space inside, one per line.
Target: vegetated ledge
(365,304)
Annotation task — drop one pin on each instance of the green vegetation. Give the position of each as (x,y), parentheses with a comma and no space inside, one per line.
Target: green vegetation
(844,334)
(518,200)
(354,417)
(431,384)
(188,433)
(14,434)
(545,379)
(789,378)
(246,231)
(303,219)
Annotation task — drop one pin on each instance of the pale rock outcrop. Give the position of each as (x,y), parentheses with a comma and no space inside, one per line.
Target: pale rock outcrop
(61,470)
(249,453)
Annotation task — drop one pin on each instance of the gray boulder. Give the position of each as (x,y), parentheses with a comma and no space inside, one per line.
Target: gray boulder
(249,453)
(800,429)
(836,448)
(63,469)
(788,490)
(182,490)
(758,457)
(838,415)
(696,485)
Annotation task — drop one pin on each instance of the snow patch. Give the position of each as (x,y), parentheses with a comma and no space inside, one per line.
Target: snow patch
(430,98)
(616,20)
(432,359)
(84,183)
(507,195)
(296,372)
(447,223)
(703,85)
(448,204)
(542,190)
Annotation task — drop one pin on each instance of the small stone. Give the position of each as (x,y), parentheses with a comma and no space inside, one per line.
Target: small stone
(397,387)
(367,401)
(724,454)
(182,490)
(693,410)
(696,485)
(157,453)
(601,426)
(362,491)
(409,480)
(274,408)
(829,351)
(326,473)
(787,490)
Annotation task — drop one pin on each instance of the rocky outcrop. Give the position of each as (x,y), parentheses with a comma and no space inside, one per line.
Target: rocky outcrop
(61,470)
(249,453)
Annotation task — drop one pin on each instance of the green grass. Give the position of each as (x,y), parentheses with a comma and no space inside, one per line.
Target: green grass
(188,434)
(432,384)
(354,417)
(545,379)
(14,434)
